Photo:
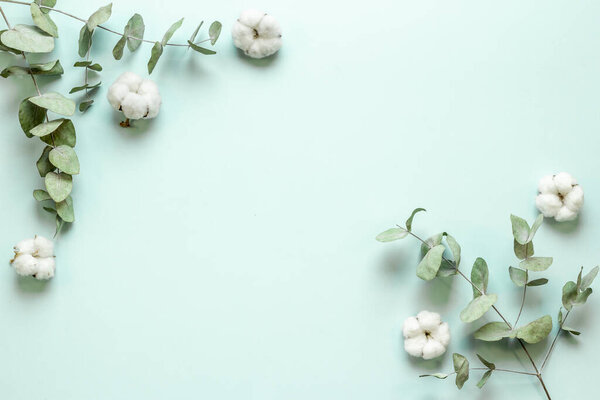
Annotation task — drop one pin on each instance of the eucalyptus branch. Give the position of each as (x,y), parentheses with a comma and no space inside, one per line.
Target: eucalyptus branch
(487,369)
(554,341)
(100,26)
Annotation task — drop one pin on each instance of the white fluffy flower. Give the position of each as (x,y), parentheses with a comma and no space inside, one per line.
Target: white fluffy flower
(426,335)
(257,34)
(35,257)
(559,196)
(136,97)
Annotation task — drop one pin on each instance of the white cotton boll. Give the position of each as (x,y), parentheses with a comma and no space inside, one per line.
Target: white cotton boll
(411,327)
(134,106)
(574,199)
(548,204)
(153,102)
(26,246)
(25,264)
(565,214)
(257,34)
(132,80)
(147,87)
(45,268)
(116,93)
(426,335)
(414,346)
(433,349)
(547,185)
(43,247)
(429,320)
(564,182)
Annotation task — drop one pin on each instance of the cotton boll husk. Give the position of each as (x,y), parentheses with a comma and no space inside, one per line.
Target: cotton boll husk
(547,185)
(25,264)
(45,268)
(132,80)
(116,93)
(269,28)
(251,18)
(44,247)
(565,214)
(442,334)
(411,327)
(26,246)
(153,102)
(564,182)
(574,199)
(243,36)
(548,204)
(134,106)
(148,87)
(432,349)
(414,346)
(429,320)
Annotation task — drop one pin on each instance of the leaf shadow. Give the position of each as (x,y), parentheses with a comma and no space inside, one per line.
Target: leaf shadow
(433,365)
(258,62)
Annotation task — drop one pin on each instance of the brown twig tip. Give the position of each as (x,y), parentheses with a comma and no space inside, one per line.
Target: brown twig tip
(125,124)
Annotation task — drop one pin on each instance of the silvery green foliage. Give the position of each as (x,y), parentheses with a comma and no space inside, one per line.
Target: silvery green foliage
(441,256)
(58,162)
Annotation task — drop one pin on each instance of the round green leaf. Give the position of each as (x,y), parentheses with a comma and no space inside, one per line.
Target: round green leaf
(43,20)
(477,307)
(59,186)
(135,28)
(461,367)
(54,102)
(63,135)
(479,276)
(492,332)
(41,195)
(46,128)
(518,276)
(536,331)
(536,263)
(65,209)
(214,31)
(522,251)
(85,41)
(392,234)
(520,229)
(99,17)
(28,38)
(43,164)
(430,264)
(30,116)
(64,158)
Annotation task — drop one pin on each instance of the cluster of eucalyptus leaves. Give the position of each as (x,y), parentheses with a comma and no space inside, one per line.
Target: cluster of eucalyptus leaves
(435,264)
(58,162)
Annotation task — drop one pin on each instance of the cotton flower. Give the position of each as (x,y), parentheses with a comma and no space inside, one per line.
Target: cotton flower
(426,335)
(136,97)
(559,196)
(257,34)
(34,257)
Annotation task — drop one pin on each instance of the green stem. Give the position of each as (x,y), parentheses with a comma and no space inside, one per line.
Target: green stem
(554,341)
(523,300)
(486,369)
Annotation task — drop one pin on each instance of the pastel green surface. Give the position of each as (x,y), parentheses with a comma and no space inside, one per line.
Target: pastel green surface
(226,249)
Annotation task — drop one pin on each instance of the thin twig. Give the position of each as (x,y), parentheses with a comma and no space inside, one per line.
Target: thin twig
(99,26)
(5,19)
(486,369)
(554,341)
(523,300)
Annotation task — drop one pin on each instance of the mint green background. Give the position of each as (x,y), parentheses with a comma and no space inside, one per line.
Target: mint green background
(226,249)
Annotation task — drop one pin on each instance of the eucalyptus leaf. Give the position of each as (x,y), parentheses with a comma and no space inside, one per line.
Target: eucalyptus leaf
(484,378)
(409,221)
(477,307)
(118,49)
(479,276)
(430,264)
(65,209)
(446,271)
(27,38)
(85,41)
(49,210)
(436,375)
(214,31)
(536,263)
(582,297)
(64,158)
(569,293)
(461,367)
(54,102)
(587,280)
(46,128)
(169,34)
(536,331)
(99,17)
(43,164)
(82,64)
(536,224)
(86,86)
(49,68)
(493,331)
(59,225)
(520,229)
(537,282)
(63,135)
(523,251)
(3,47)
(518,276)
(454,248)
(560,317)
(30,116)
(59,186)
(43,21)
(201,50)
(193,37)
(46,3)
(485,362)
(431,242)
(84,105)
(571,330)
(41,195)
(391,235)
(95,67)
(134,30)
(157,50)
